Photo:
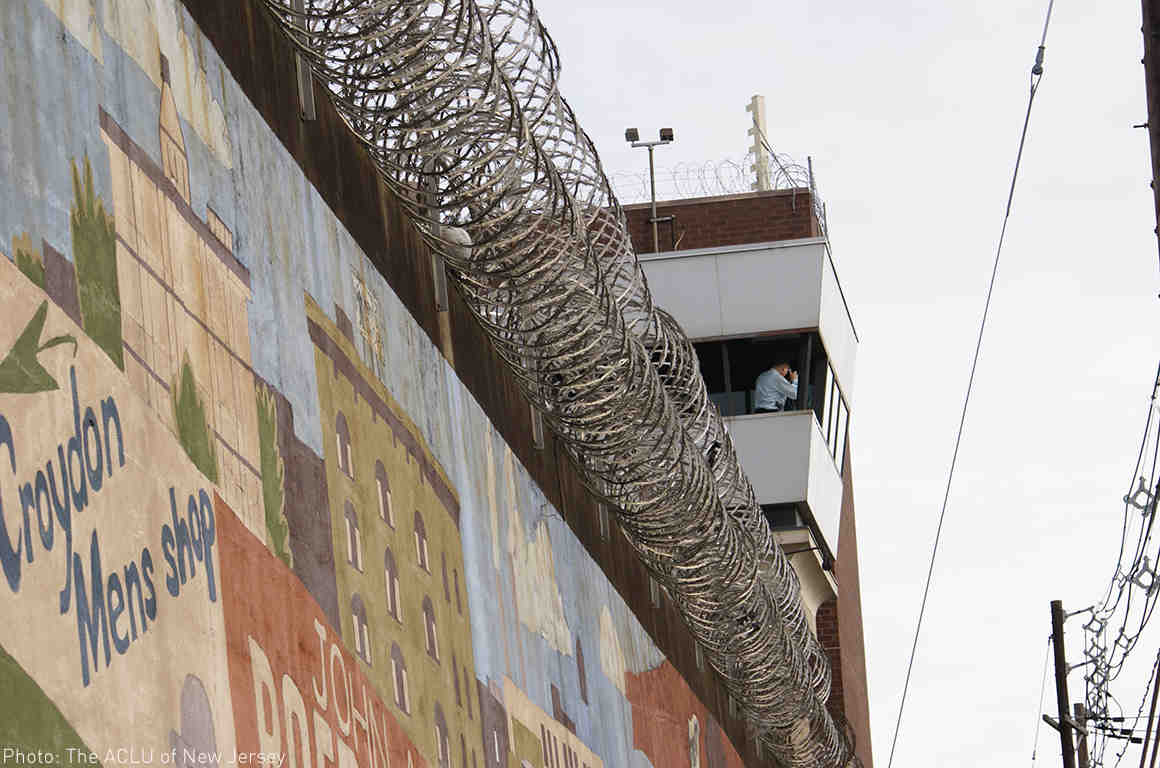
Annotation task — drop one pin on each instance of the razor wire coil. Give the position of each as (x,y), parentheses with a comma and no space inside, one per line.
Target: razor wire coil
(458,105)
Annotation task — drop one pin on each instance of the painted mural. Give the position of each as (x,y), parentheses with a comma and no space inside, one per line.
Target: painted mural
(248,512)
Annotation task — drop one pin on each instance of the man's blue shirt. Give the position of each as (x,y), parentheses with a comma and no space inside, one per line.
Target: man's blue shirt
(773,390)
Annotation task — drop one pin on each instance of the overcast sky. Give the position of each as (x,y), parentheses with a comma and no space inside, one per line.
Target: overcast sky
(911,111)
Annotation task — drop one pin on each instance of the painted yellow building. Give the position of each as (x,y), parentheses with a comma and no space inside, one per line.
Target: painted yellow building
(398,553)
(184,298)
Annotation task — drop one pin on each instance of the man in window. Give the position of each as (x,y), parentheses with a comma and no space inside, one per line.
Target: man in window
(774,387)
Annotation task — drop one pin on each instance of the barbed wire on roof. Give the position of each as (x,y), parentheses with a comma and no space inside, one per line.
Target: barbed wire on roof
(727,176)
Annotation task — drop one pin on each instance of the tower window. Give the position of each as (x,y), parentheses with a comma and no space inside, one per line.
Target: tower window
(362,638)
(353,538)
(421,543)
(383,488)
(432,634)
(342,442)
(442,742)
(394,604)
(399,673)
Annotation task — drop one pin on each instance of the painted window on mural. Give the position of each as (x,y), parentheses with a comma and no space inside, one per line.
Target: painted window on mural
(421,543)
(399,673)
(342,440)
(383,487)
(362,635)
(429,624)
(694,742)
(458,603)
(391,571)
(446,583)
(580,670)
(467,686)
(455,678)
(353,538)
(442,741)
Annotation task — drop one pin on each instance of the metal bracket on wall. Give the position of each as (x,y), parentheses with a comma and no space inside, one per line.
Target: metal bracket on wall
(537,428)
(602,517)
(439,276)
(306,108)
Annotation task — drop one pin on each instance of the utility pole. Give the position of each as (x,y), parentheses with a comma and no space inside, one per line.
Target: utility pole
(1151,61)
(1151,715)
(1061,697)
(1082,745)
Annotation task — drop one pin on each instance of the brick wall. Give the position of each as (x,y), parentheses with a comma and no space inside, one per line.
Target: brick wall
(828,636)
(755,217)
(851,666)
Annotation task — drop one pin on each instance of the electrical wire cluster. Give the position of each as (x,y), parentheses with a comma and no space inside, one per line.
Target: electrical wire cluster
(1115,624)
(457,103)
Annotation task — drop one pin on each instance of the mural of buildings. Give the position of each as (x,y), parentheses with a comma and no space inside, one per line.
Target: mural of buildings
(538,739)
(183,310)
(297,690)
(321,546)
(398,556)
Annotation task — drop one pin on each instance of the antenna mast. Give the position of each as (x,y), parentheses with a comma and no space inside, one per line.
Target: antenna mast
(762,182)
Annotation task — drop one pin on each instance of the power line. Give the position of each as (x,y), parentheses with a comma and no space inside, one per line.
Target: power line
(1036,77)
(1039,712)
(1128,604)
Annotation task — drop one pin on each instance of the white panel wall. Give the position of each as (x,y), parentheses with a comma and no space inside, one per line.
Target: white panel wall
(686,286)
(740,290)
(824,494)
(786,459)
(771,287)
(774,449)
(837,330)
